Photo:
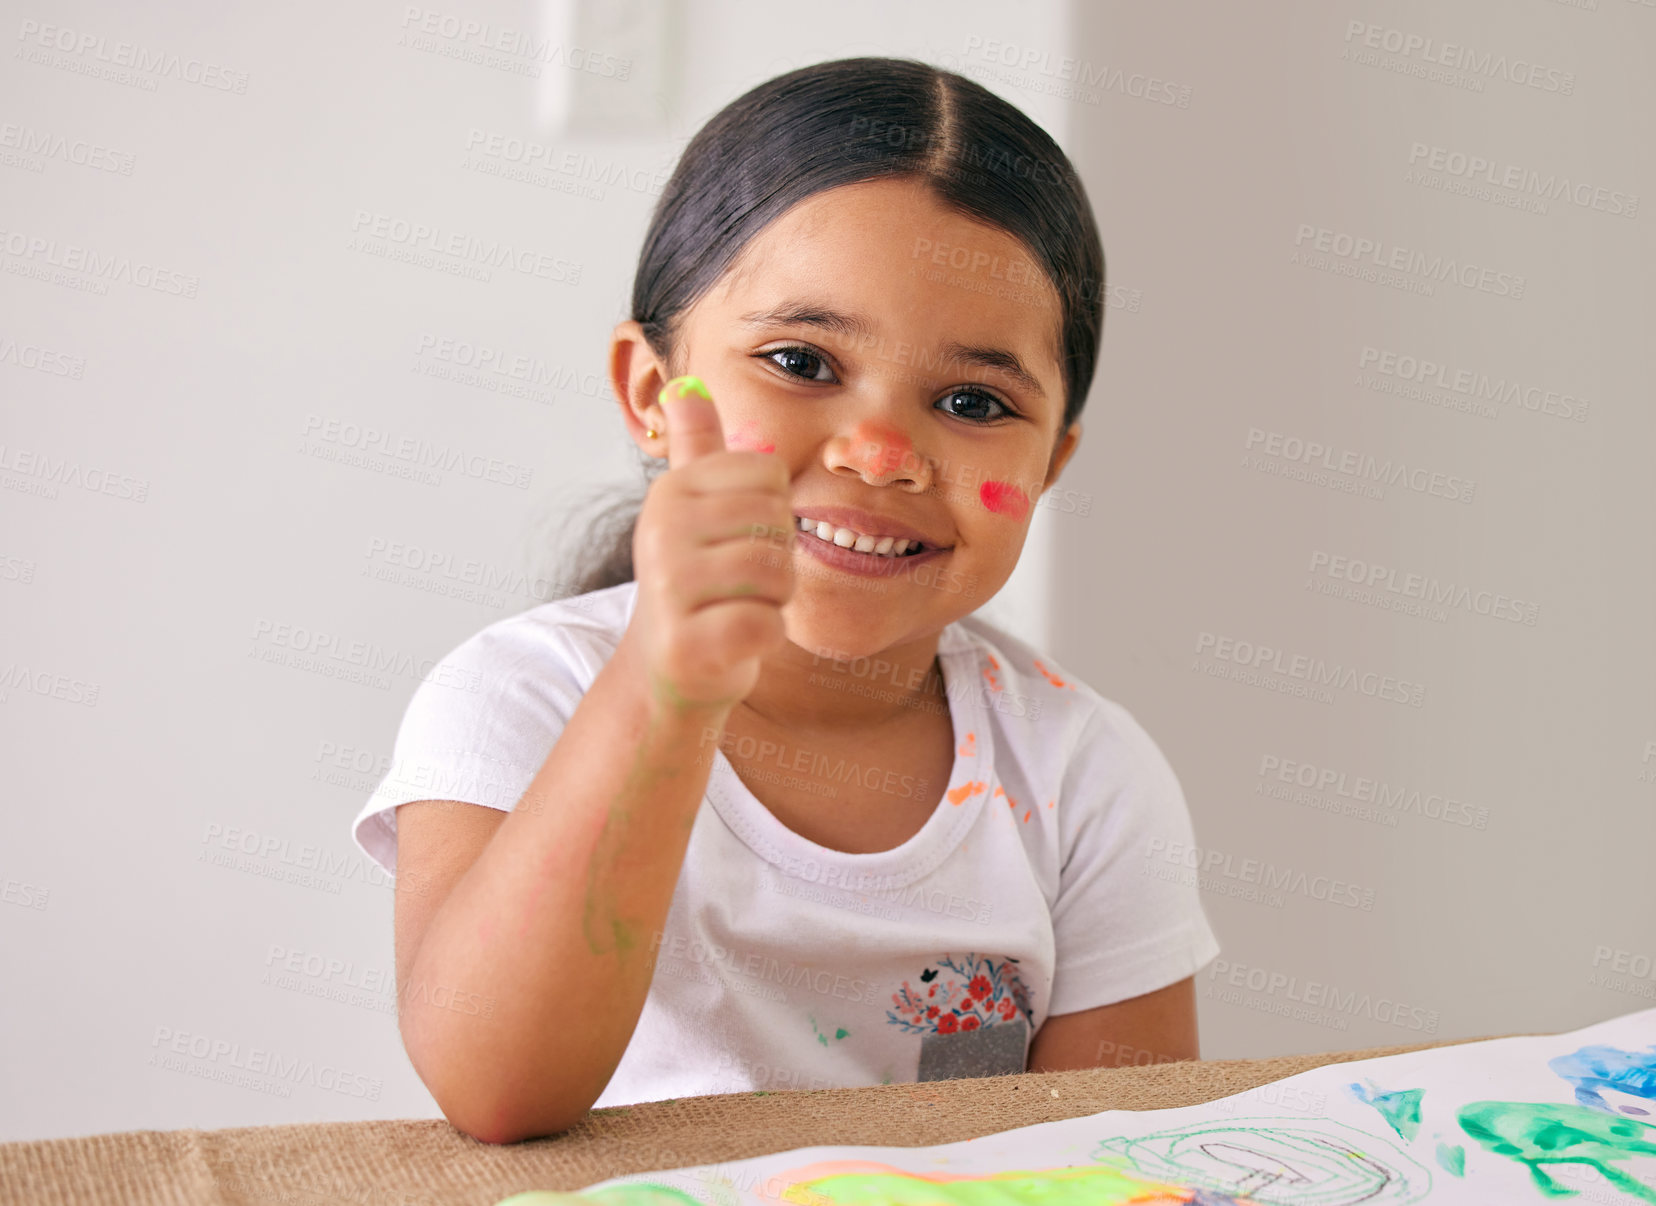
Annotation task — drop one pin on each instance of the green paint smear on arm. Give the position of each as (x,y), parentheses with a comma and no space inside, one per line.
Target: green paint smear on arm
(1452,1159)
(1542,1132)
(1097,1186)
(603,925)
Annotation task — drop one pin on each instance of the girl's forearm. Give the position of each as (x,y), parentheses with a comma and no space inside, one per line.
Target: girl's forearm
(555,922)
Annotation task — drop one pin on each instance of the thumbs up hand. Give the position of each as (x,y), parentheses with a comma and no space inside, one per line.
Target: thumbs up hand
(713,556)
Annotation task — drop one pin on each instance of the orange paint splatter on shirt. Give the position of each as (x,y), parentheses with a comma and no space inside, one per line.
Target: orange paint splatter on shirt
(1026,814)
(959,795)
(969,746)
(1051,677)
(999,790)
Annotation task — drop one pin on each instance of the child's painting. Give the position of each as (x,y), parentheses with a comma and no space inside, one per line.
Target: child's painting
(1509,1121)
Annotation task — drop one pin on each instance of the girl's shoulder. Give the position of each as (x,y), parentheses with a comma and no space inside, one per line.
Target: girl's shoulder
(1031,693)
(581,631)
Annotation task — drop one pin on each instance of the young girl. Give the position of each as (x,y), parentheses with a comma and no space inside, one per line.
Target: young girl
(781,813)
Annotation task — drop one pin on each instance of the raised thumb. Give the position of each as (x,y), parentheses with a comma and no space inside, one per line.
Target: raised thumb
(693,428)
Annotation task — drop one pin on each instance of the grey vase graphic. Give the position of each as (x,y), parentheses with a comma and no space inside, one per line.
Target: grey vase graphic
(986,1051)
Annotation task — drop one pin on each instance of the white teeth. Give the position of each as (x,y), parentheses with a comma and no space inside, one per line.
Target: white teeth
(848,538)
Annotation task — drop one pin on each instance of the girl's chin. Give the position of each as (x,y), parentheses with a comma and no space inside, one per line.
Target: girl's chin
(846,628)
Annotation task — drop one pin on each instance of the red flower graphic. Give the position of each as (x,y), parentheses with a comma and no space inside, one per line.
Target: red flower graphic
(982,992)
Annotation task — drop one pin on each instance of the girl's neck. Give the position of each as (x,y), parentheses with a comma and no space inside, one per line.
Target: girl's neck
(801,691)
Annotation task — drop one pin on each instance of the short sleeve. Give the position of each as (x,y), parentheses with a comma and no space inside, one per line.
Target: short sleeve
(480,724)
(1121,930)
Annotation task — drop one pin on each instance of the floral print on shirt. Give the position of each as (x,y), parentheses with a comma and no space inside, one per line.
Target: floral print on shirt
(962,994)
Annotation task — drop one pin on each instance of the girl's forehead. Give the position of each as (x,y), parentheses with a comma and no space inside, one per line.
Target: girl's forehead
(880,211)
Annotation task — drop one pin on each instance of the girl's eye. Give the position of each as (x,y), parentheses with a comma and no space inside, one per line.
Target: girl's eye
(800,362)
(976,401)
(803,363)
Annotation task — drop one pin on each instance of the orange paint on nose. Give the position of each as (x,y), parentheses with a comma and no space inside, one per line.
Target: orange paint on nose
(880,448)
(1004,498)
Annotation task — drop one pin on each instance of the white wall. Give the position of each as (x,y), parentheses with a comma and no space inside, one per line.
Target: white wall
(1542,728)
(207,405)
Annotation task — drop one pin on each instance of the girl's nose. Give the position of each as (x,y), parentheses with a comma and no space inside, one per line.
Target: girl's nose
(882,454)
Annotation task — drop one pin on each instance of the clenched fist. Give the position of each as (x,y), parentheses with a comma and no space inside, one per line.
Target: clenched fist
(713,556)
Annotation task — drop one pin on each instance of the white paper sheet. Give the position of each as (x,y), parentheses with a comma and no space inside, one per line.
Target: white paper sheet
(1514,1120)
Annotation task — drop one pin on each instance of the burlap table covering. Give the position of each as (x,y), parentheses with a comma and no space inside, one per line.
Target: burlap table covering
(429,1163)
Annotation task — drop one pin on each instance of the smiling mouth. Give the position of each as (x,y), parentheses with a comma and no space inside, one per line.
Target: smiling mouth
(860,542)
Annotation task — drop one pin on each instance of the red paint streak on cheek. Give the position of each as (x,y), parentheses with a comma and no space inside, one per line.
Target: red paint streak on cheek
(880,448)
(1003,498)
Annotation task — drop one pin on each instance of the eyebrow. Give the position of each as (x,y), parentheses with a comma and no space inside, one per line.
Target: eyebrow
(855,326)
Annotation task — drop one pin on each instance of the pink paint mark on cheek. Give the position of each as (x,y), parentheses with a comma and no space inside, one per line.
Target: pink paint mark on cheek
(746,437)
(1004,498)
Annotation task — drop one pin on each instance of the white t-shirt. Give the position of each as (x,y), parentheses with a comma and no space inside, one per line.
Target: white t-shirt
(784,964)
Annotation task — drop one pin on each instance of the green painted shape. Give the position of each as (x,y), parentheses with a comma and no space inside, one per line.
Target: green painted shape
(841,1032)
(1545,1132)
(1097,1186)
(1400,1108)
(1452,1159)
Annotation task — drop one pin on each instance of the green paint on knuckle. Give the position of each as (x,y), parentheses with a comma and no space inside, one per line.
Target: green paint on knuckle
(678,387)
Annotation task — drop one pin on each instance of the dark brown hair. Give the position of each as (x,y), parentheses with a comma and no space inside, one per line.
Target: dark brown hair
(838,123)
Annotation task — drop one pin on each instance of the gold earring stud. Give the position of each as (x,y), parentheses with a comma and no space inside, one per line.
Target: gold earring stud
(649,433)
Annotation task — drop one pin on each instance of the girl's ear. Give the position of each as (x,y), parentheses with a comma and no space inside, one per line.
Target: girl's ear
(636,376)
(1061,454)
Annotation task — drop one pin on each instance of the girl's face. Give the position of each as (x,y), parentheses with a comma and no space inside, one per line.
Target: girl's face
(904,361)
